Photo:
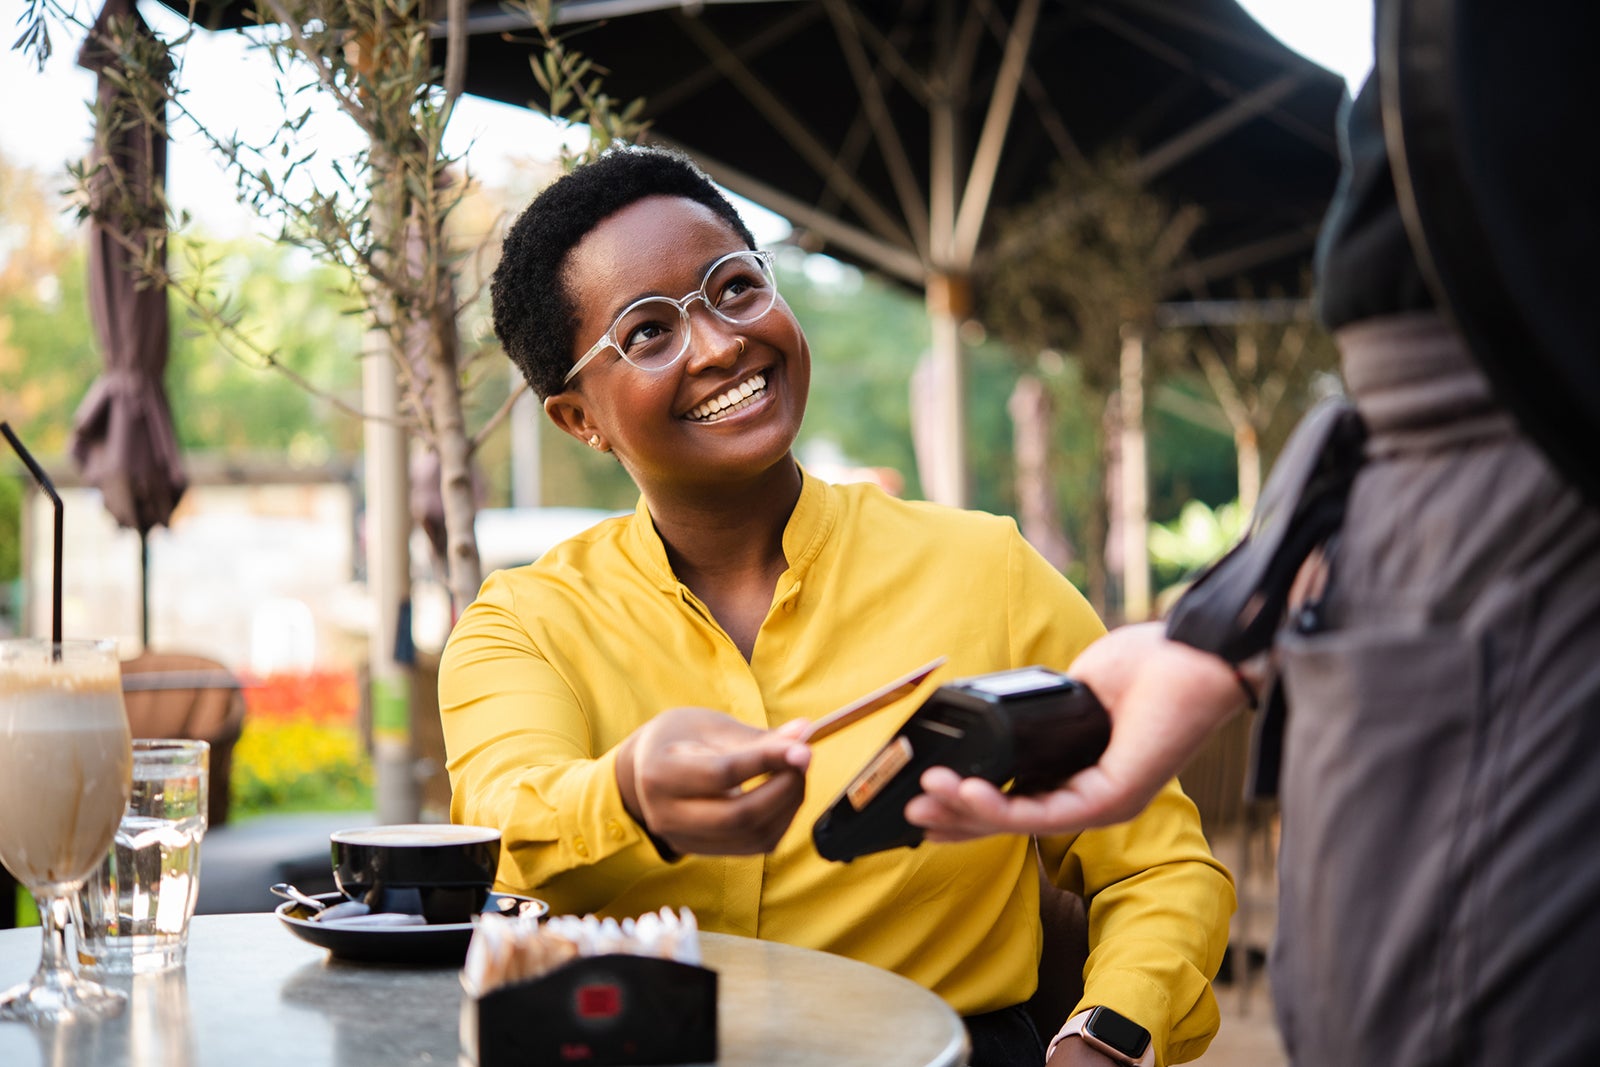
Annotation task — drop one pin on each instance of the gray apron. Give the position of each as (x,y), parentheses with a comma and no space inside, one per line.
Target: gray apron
(1440,858)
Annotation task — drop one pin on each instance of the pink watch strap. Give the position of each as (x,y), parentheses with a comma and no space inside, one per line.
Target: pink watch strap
(1074,1028)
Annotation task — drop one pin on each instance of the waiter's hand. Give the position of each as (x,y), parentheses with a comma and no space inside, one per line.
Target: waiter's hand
(1163,698)
(683,774)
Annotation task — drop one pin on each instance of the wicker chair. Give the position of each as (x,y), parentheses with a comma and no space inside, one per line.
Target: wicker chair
(1242,833)
(171,695)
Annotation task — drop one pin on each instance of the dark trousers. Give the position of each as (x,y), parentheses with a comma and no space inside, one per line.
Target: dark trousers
(1004,1038)
(1440,857)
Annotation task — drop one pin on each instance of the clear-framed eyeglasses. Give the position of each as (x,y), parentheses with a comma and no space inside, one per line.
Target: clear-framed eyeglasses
(653,333)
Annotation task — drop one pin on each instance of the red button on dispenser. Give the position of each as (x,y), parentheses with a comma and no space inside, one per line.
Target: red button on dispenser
(599,1001)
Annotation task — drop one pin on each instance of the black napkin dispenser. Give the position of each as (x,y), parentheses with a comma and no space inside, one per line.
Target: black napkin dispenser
(1031,727)
(598,1011)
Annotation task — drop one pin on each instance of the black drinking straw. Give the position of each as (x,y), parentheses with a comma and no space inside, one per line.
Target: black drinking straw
(55,498)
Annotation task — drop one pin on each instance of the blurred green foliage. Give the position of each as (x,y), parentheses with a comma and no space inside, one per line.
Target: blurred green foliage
(49,357)
(295,308)
(866,336)
(10,534)
(1188,460)
(1197,537)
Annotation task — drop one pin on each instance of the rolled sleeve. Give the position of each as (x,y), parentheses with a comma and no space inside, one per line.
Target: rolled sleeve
(522,758)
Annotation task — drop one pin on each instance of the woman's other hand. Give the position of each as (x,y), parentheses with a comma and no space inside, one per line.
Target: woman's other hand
(685,774)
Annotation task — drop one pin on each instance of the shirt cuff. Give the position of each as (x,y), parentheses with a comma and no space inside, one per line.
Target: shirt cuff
(596,826)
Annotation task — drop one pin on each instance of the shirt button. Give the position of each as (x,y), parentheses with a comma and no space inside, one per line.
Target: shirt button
(614,828)
(581,847)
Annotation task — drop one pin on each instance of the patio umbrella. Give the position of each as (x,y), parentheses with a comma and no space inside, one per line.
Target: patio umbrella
(889,132)
(122,437)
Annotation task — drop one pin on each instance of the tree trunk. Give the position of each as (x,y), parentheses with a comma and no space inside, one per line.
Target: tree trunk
(434,356)
(451,441)
(1094,555)
(1134,493)
(1247,451)
(1037,506)
(1241,420)
(1101,547)
(464,570)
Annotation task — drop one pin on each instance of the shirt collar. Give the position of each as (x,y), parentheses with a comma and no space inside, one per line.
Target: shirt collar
(804,535)
(810,524)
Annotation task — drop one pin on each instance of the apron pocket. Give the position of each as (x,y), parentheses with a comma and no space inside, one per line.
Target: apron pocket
(1382,735)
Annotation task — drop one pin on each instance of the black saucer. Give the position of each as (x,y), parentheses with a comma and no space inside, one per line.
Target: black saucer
(441,944)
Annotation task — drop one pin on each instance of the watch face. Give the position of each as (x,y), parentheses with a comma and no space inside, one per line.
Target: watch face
(1118,1031)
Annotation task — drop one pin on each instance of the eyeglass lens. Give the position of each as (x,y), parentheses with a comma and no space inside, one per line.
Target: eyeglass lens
(655,331)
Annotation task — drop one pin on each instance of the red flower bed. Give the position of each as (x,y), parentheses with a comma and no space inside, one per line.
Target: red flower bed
(325,697)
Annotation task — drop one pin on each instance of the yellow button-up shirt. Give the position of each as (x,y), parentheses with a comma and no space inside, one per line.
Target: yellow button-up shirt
(555,663)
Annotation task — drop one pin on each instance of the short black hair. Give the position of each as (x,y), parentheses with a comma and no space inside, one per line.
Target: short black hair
(534,316)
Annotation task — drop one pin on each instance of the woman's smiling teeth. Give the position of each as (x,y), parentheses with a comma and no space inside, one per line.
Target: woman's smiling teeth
(738,398)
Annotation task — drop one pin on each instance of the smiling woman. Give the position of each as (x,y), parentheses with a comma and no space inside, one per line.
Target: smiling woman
(627,710)
(681,400)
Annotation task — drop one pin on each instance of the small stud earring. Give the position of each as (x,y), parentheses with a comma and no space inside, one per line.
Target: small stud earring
(594,440)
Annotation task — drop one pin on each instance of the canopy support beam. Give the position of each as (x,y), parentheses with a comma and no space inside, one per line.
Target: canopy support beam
(894,259)
(1180,60)
(818,156)
(1194,277)
(986,161)
(893,148)
(1214,127)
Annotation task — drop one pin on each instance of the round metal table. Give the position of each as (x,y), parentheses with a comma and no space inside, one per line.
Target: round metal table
(252,995)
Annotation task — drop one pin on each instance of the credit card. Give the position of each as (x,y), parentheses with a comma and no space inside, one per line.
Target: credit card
(895,756)
(862,707)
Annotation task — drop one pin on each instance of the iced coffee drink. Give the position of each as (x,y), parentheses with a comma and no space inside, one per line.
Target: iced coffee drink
(65,776)
(65,768)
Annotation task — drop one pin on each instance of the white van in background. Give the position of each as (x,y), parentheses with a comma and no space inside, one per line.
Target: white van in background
(507,537)
(512,537)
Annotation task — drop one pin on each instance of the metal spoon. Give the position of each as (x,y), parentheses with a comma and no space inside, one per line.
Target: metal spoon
(289,892)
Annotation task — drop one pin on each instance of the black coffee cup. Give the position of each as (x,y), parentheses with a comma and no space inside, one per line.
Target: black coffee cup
(440,871)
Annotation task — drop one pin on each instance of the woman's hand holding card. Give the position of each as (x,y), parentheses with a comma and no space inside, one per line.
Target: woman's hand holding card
(683,778)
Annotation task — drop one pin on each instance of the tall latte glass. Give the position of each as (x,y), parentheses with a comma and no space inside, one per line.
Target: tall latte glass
(65,775)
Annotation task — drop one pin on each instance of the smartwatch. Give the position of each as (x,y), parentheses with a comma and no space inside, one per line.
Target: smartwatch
(1109,1032)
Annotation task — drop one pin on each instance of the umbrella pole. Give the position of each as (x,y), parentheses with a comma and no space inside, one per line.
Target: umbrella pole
(144,590)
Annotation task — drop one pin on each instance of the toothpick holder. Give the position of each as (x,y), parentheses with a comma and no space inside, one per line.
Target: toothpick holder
(598,1011)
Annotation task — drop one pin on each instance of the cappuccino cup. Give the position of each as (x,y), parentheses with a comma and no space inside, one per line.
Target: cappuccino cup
(441,871)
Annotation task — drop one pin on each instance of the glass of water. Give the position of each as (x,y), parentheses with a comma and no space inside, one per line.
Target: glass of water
(133,913)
